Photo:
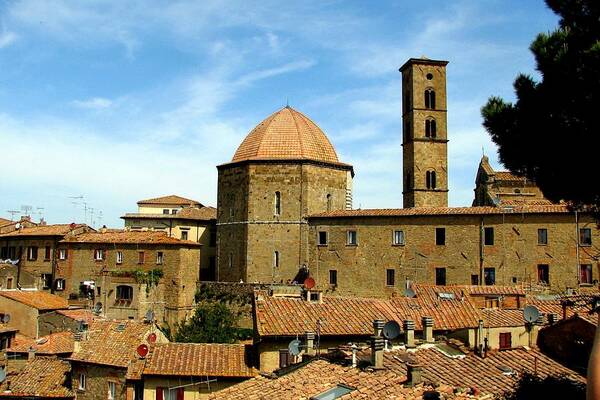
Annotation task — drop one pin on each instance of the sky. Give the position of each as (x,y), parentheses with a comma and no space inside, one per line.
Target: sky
(110,102)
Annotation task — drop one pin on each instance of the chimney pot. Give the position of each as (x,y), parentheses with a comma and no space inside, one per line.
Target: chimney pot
(552,318)
(428,329)
(377,346)
(310,343)
(540,320)
(414,374)
(378,325)
(409,333)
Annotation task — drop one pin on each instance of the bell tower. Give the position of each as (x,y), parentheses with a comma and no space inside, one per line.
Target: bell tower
(424,133)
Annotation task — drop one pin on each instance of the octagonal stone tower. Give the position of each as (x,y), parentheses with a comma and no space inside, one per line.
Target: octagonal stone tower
(284,170)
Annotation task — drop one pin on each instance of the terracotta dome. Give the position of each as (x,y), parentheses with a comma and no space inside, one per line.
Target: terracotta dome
(286,134)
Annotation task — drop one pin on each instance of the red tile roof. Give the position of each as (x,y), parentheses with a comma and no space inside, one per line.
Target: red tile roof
(320,375)
(199,359)
(128,237)
(42,377)
(187,213)
(508,176)
(424,211)
(171,200)
(55,343)
(77,314)
(43,301)
(108,345)
(45,230)
(286,134)
(4,221)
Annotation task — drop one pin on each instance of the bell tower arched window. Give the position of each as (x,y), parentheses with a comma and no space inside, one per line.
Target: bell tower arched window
(329,202)
(430,99)
(430,128)
(430,179)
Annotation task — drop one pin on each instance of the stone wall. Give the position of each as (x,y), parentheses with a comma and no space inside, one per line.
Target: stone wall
(22,317)
(97,378)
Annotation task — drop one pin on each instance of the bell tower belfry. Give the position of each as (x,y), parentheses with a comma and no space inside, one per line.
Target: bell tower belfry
(424,133)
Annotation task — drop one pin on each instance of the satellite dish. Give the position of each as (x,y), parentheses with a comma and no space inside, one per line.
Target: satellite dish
(152,337)
(2,375)
(149,317)
(391,330)
(309,283)
(6,318)
(42,340)
(142,350)
(98,308)
(294,347)
(531,314)
(409,292)
(18,225)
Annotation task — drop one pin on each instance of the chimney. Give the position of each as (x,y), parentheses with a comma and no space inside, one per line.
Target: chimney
(540,320)
(428,330)
(31,353)
(409,333)
(552,318)
(564,309)
(354,358)
(414,374)
(103,229)
(377,344)
(479,340)
(310,343)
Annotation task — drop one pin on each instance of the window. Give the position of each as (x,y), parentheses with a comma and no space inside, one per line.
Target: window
(488,236)
(62,254)
(46,281)
(159,257)
(48,253)
(174,211)
(124,293)
(390,277)
(276,259)
(59,284)
(334,393)
(333,277)
(429,76)
(230,261)
(430,99)
(119,257)
(430,180)
(81,385)
(99,254)
(492,302)
(542,236)
(489,276)
(505,341)
(32,253)
(184,235)
(112,390)
(351,238)
(430,128)
(9,283)
(398,239)
(284,358)
(474,279)
(322,238)
(277,203)
(585,274)
(585,237)
(166,211)
(440,276)
(440,236)
(140,257)
(543,272)
(329,201)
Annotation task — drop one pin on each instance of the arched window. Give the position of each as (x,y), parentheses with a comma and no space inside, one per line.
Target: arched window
(430,179)
(124,293)
(430,98)
(329,202)
(277,203)
(430,128)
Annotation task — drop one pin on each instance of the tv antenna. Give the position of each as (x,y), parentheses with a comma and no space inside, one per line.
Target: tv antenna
(40,212)
(26,210)
(12,213)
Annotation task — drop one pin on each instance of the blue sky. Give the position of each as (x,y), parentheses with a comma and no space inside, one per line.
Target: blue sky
(124,100)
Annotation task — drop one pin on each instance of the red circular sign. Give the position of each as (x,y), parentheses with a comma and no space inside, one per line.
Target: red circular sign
(152,337)
(142,350)
(309,283)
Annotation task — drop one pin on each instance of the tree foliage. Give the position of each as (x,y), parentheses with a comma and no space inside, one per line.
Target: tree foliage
(550,134)
(531,386)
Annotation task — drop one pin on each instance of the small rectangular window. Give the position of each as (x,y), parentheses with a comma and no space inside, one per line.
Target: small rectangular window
(159,257)
(489,276)
(276,259)
(81,385)
(284,358)
(165,211)
(398,238)
(140,257)
(174,211)
(351,238)
(543,271)
(542,236)
(48,253)
(440,276)
(112,390)
(32,252)
(62,254)
(46,281)
(492,302)
(184,235)
(585,274)
(505,341)
(9,283)
(119,257)
(440,236)
(99,254)
(59,284)
(390,277)
(585,237)
(333,277)
(488,236)
(277,209)
(474,279)
(322,238)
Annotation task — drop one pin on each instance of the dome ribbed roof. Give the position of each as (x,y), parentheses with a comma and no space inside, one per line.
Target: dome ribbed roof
(286,134)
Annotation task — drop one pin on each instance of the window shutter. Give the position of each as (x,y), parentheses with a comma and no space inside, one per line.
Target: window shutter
(159,393)
(180,393)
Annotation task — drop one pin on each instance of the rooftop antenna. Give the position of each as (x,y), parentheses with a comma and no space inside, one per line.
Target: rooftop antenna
(40,212)
(12,214)
(26,210)
(287,102)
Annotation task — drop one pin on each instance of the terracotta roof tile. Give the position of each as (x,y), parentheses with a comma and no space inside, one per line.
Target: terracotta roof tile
(41,377)
(172,200)
(286,134)
(508,176)
(55,343)
(187,213)
(199,359)
(125,237)
(77,314)
(108,345)
(423,211)
(4,222)
(45,230)
(37,299)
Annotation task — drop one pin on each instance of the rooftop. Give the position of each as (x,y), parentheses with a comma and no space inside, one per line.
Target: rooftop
(187,213)
(128,237)
(45,230)
(78,314)
(55,343)
(43,301)
(41,377)
(199,359)
(286,134)
(170,200)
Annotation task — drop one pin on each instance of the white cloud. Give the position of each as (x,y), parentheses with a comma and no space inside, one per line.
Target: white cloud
(7,38)
(95,103)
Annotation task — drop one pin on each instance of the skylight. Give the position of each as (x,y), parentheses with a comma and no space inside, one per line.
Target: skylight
(334,393)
